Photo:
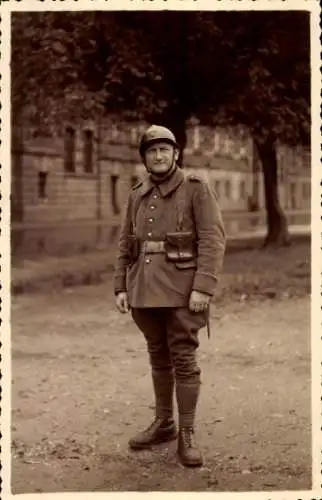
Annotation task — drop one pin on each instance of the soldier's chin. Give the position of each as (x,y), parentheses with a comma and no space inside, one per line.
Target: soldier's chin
(157,171)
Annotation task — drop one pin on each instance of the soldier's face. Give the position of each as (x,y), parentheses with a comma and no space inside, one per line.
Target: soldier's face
(160,157)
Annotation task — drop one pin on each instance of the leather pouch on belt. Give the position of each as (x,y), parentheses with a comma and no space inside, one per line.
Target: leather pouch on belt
(133,247)
(179,246)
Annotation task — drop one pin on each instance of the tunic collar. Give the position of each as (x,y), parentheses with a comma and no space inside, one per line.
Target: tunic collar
(166,187)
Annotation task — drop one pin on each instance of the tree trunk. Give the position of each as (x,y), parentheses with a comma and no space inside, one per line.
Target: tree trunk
(255,178)
(277,230)
(99,170)
(176,122)
(17,195)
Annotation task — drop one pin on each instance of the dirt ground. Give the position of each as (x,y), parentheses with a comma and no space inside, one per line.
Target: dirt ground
(81,388)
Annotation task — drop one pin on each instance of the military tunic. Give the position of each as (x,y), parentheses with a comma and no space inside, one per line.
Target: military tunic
(153,210)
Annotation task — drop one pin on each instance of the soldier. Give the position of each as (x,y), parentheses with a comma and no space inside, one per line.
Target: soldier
(170,254)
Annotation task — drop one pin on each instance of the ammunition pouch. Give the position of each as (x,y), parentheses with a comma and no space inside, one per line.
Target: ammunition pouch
(180,246)
(133,247)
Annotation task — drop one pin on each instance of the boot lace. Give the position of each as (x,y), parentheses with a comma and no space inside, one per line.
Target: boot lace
(188,437)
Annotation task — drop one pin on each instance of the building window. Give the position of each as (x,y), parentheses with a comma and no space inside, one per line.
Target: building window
(242,188)
(293,195)
(306,190)
(88,151)
(70,141)
(134,180)
(42,185)
(217,188)
(228,189)
(114,194)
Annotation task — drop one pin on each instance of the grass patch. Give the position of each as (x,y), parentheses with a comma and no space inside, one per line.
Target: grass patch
(248,272)
(284,272)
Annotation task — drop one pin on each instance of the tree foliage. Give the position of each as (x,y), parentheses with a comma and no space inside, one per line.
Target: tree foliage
(250,68)
(223,67)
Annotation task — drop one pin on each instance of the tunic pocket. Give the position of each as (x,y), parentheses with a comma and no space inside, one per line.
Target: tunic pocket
(179,246)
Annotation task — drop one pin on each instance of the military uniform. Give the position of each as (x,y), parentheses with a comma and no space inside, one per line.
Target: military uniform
(159,289)
(154,210)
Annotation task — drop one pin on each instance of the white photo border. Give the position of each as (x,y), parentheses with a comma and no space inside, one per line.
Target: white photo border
(6,9)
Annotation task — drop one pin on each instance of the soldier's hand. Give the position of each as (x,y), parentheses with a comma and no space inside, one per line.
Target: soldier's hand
(122,302)
(198,301)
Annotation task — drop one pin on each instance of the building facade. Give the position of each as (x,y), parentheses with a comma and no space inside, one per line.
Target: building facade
(86,174)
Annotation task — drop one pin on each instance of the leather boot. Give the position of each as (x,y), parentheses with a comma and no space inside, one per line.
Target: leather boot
(160,431)
(163,385)
(188,451)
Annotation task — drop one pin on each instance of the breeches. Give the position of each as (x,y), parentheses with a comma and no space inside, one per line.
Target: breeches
(172,339)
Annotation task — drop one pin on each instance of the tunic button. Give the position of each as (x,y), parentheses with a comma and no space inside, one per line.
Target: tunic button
(155,197)
(147,261)
(150,234)
(151,219)
(152,207)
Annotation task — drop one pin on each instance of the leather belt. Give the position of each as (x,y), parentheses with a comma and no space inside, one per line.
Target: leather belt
(150,246)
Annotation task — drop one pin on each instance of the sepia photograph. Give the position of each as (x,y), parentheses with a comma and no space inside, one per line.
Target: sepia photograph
(160,249)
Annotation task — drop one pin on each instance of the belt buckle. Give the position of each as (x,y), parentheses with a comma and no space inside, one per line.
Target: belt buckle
(150,246)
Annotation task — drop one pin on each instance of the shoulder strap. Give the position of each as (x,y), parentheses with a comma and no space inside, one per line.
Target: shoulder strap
(183,199)
(181,204)
(135,205)
(137,185)
(135,208)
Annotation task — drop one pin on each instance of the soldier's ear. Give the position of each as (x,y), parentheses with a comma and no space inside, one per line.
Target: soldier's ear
(176,154)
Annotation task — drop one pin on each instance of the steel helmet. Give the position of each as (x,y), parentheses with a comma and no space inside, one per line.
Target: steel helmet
(156,133)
